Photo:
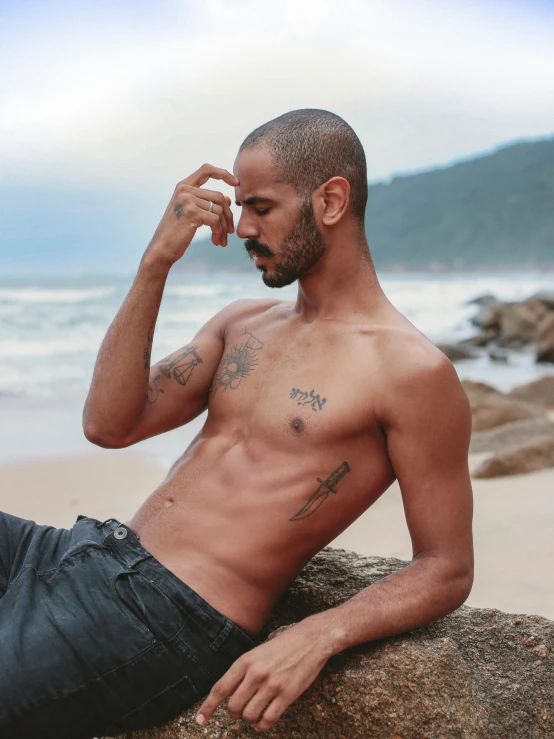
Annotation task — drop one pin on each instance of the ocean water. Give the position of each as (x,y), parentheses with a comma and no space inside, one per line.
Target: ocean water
(51,330)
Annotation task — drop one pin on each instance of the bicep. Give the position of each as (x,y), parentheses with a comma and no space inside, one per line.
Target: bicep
(428,432)
(178,384)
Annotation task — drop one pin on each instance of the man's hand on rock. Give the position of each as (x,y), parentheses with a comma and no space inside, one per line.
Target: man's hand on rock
(264,682)
(188,209)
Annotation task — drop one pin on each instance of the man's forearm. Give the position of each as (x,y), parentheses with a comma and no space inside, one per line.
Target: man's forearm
(119,384)
(416,595)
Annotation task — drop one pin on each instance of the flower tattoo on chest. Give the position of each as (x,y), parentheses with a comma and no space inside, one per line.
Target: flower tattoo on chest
(238,363)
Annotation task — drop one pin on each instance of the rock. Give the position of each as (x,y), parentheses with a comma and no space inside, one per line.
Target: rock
(529,457)
(476,673)
(519,321)
(455,352)
(490,407)
(483,300)
(500,438)
(546,297)
(545,339)
(481,339)
(539,391)
(490,312)
(498,355)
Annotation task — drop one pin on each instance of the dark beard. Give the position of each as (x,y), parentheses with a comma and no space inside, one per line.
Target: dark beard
(301,248)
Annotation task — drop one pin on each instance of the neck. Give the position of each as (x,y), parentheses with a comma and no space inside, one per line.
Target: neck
(343,284)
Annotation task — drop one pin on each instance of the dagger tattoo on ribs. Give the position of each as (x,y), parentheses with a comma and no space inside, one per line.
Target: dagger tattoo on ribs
(318,496)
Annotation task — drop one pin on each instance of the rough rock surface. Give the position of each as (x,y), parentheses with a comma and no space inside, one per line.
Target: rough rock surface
(545,339)
(539,391)
(519,321)
(476,673)
(546,297)
(500,438)
(529,457)
(490,407)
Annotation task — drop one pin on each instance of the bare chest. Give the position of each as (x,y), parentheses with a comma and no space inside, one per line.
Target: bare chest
(286,386)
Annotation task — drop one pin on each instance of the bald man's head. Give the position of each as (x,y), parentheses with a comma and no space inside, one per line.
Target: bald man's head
(309,147)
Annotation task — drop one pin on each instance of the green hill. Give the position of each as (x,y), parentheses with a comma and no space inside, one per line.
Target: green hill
(492,211)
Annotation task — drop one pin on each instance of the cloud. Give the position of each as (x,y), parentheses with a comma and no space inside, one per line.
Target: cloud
(138,96)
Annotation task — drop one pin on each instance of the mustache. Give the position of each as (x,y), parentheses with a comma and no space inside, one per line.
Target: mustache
(256,247)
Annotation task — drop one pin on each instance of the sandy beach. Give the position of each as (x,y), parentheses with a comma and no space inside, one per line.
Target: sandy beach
(513,518)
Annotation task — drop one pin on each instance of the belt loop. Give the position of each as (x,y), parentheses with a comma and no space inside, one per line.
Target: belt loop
(223,634)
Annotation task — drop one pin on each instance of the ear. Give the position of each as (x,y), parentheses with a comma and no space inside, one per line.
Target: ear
(331,200)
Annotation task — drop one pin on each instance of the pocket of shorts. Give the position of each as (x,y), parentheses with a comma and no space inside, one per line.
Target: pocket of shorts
(145,605)
(77,550)
(129,600)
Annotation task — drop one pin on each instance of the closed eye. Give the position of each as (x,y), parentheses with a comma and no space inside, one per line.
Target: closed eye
(262,212)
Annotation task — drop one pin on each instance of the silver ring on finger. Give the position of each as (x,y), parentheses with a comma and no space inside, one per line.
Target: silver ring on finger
(211,207)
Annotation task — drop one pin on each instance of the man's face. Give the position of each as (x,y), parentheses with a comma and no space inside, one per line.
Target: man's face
(280,232)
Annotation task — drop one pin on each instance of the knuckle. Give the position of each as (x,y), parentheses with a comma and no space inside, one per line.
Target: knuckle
(218,689)
(250,714)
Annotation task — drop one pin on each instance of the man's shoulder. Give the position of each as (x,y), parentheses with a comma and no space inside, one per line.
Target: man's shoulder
(414,372)
(246,309)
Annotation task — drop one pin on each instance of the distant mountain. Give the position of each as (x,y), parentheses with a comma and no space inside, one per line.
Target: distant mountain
(492,211)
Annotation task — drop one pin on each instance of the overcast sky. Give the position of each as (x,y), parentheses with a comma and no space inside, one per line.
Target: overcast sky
(112,99)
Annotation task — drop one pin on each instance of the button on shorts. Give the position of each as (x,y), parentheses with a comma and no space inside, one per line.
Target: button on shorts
(97,637)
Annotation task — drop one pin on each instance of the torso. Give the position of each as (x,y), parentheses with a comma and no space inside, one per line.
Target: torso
(291,453)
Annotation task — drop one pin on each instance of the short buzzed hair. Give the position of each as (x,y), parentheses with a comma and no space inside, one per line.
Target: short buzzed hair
(310,146)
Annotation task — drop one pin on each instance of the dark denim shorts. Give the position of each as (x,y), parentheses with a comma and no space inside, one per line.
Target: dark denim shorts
(97,637)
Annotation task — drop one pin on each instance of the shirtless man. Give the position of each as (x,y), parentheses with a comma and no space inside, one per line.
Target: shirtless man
(314,408)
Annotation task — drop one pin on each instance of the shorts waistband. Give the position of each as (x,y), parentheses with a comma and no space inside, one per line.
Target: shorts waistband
(126,544)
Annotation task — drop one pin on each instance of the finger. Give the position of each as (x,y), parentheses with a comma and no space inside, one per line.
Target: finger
(255,708)
(244,692)
(218,211)
(220,199)
(272,713)
(212,220)
(207,171)
(222,689)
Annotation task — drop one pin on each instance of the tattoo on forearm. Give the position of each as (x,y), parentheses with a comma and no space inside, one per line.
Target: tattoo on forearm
(180,368)
(237,364)
(178,210)
(148,349)
(322,493)
(304,398)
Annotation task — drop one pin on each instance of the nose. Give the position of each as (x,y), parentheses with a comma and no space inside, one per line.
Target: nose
(246,228)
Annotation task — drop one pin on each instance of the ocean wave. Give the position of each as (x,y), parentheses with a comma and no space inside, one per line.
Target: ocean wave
(43,295)
(201,290)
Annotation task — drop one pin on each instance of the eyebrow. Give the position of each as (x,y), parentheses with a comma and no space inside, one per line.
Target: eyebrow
(253,200)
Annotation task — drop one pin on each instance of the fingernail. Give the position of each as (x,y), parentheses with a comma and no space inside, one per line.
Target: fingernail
(200,718)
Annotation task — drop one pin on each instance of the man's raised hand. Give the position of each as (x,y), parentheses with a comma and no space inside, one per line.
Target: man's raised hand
(188,209)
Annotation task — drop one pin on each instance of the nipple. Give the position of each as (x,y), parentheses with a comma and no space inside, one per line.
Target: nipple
(168,502)
(298,425)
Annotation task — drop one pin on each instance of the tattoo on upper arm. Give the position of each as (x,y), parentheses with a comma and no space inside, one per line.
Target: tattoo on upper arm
(179,367)
(322,493)
(237,364)
(304,398)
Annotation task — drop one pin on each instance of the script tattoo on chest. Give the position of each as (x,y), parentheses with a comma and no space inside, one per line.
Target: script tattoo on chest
(322,493)
(179,367)
(304,398)
(238,363)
